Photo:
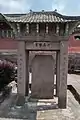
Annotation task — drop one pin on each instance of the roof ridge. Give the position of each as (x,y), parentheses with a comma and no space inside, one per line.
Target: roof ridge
(21,14)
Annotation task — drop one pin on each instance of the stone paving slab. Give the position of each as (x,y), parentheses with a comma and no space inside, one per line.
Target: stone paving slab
(71,113)
(28,111)
(74,80)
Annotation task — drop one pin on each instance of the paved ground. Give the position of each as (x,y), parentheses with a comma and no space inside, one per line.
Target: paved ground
(74,80)
(71,113)
(43,110)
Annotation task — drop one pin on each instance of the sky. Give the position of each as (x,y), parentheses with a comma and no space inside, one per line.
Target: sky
(66,7)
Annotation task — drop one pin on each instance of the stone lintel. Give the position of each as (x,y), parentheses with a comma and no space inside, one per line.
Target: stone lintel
(41,46)
(45,37)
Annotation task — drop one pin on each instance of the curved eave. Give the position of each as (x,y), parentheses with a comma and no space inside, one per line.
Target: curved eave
(72,17)
(7,22)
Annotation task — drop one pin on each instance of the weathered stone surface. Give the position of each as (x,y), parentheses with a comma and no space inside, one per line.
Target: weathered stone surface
(42,76)
(23,75)
(63,74)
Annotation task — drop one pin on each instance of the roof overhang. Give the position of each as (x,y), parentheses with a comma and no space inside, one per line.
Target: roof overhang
(3,19)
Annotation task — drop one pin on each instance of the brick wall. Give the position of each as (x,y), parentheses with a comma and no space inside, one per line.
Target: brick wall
(74,45)
(9,44)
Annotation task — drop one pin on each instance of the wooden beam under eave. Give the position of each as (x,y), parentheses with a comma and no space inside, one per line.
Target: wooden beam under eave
(3,33)
(57,28)
(27,28)
(37,28)
(67,28)
(47,28)
(11,33)
(18,27)
(38,37)
(72,26)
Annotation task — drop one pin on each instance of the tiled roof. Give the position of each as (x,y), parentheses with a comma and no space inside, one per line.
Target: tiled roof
(37,17)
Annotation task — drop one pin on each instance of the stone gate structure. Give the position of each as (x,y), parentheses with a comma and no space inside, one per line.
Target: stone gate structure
(43,31)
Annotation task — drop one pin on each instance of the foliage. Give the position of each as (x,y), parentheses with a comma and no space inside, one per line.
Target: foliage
(6,73)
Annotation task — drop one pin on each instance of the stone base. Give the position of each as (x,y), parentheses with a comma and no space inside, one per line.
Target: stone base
(20,101)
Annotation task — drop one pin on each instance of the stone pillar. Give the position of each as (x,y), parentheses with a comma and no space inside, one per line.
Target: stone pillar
(22,71)
(57,72)
(63,74)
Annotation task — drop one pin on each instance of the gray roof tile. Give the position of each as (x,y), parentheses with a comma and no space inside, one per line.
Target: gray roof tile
(37,17)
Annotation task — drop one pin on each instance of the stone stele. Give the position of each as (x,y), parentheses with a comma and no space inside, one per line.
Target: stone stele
(42,77)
